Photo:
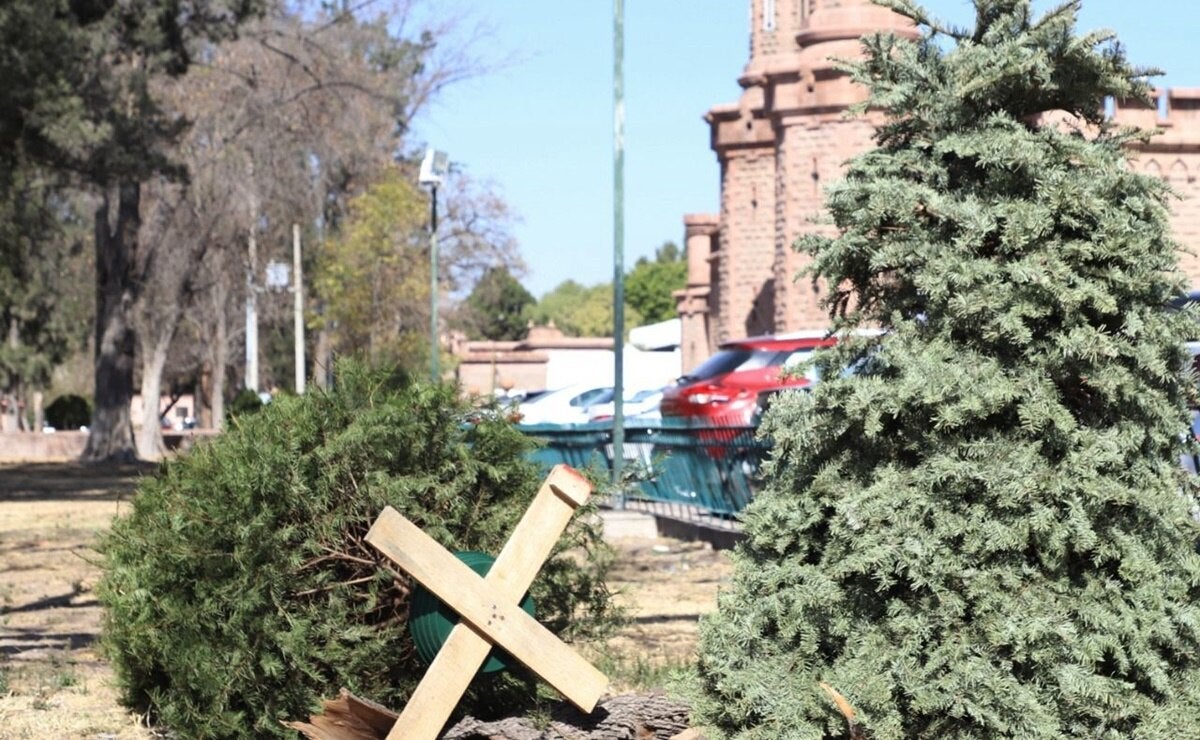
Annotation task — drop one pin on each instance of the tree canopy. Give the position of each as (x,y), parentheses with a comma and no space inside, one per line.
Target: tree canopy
(497,307)
(374,277)
(582,311)
(984,531)
(650,284)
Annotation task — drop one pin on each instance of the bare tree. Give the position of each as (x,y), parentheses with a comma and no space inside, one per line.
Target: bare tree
(289,123)
(285,117)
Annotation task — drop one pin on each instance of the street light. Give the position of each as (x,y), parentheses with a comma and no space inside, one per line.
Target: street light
(433,170)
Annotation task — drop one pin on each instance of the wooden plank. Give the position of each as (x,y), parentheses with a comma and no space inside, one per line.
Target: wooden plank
(456,664)
(540,528)
(434,699)
(489,611)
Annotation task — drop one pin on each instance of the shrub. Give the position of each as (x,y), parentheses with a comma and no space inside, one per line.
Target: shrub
(245,402)
(985,532)
(69,412)
(239,591)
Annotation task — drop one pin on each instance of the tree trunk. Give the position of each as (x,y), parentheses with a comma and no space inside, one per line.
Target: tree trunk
(111,431)
(8,412)
(150,439)
(204,417)
(322,359)
(9,405)
(39,410)
(156,345)
(220,362)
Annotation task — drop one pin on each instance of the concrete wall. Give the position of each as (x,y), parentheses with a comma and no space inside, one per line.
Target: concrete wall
(22,447)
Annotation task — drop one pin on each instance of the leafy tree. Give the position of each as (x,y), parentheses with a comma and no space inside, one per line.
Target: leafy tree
(649,285)
(985,532)
(40,308)
(78,97)
(582,311)
(497,307)
(374,278)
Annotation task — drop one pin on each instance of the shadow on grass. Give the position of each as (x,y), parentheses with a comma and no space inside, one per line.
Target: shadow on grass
(17,641)
(62,601)
(70,481)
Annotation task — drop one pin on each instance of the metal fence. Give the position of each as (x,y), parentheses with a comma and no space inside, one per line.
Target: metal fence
(690,472)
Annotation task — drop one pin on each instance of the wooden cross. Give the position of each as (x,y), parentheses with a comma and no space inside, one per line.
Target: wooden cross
(489,607)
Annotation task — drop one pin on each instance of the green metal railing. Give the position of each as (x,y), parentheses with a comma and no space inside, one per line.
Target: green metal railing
(705,470)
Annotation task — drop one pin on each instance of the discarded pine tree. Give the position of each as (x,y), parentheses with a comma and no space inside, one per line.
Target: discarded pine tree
(240,593)
(984,530)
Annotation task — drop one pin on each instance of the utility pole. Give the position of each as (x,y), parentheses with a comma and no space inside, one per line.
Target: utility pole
(618,239)
(252,305)
(298,308)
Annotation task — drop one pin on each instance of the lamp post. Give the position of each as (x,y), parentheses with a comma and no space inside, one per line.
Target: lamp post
(433,170)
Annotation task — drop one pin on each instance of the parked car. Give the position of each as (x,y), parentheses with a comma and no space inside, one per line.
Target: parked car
(641,405)
(565,405)
(727,388)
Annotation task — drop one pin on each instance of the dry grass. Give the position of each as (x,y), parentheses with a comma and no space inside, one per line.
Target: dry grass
(54,685)
(52,682)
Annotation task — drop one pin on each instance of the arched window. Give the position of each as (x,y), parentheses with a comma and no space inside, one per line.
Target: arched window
(1178,174)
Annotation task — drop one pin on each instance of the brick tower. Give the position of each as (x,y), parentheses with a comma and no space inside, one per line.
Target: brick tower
(788,137)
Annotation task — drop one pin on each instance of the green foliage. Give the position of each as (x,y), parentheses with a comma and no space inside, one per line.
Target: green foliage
(239,591)
(985,532)
(245,402)
(498,307)
(42,312)
(649,285)
(374,277)
(77,80)
(69,412)
(582,311)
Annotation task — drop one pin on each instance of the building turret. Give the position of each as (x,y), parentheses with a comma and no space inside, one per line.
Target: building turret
(787,138)
(777,145)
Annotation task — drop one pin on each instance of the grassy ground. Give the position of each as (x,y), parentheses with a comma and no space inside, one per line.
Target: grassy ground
(54,685)
(52,682)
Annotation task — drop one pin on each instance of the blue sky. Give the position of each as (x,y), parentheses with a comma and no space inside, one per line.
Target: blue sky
(540,127)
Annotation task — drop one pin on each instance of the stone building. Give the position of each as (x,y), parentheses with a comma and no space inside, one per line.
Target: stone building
(788,137)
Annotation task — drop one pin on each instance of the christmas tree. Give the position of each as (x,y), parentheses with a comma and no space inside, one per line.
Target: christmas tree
(983,529)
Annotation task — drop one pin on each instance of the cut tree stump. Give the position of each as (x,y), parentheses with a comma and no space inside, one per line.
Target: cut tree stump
(623,717)
(347,718)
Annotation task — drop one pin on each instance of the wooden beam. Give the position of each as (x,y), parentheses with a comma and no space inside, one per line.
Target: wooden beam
(456,664)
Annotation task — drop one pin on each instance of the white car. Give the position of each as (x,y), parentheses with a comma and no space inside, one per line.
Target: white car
(641,404)
(566,405)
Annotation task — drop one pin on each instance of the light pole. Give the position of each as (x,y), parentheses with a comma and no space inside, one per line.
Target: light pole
(433,170)
(618,239)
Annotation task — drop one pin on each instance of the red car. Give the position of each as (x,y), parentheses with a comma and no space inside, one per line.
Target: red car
(725,389)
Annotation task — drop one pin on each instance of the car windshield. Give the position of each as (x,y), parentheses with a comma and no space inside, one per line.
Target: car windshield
(729,360)
(798,358)
(594,396)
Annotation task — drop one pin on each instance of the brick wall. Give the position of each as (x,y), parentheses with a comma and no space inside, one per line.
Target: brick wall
(745,265)
(812,152)
(1173,155)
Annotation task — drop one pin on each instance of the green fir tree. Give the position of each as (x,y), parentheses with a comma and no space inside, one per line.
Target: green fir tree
(984,531)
